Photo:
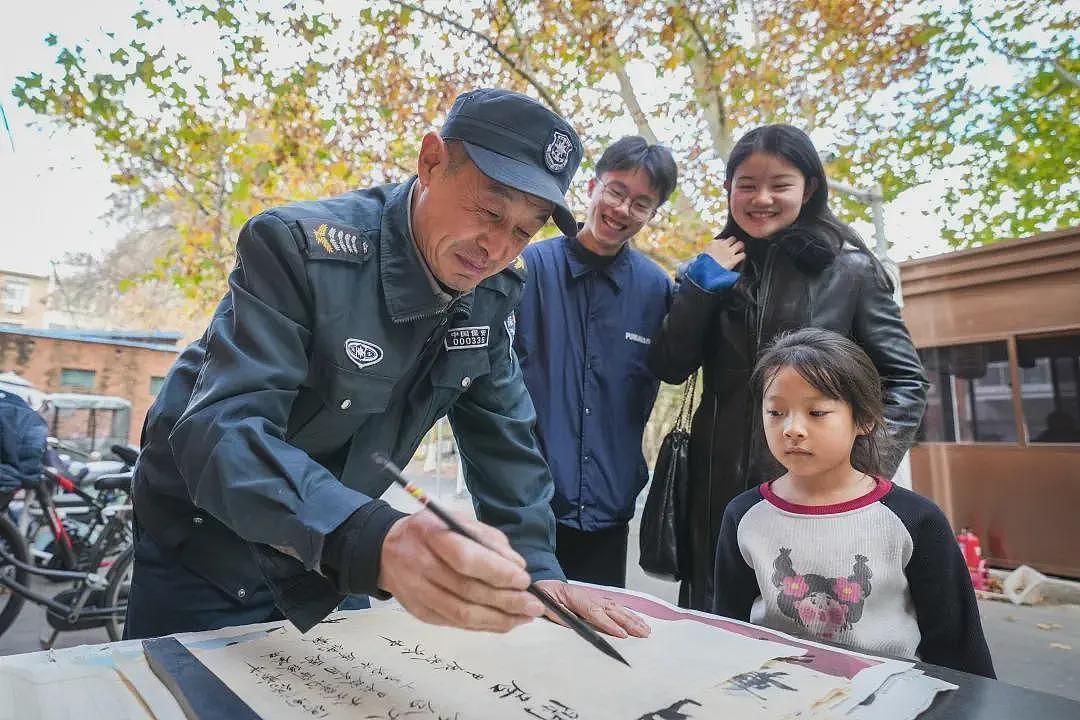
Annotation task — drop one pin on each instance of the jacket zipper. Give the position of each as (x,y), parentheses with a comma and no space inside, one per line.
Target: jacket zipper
(422,316)
(761,301)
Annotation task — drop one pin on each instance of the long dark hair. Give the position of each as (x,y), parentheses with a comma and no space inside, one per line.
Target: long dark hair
(838,368)
(817,234)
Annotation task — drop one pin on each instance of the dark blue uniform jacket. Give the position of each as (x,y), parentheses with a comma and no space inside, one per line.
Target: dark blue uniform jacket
(332,343)
(583,336)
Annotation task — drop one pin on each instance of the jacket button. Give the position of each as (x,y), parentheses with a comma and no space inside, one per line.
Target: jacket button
(196,521)
(466,381)
(588,411)
(346,404)
(241,593)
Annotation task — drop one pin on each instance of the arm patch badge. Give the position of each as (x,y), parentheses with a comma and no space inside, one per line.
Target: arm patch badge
(329,240)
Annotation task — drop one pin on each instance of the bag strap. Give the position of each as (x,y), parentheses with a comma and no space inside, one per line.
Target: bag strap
(686,408)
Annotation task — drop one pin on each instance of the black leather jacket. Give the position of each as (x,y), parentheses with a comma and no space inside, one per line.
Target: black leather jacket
(722,333)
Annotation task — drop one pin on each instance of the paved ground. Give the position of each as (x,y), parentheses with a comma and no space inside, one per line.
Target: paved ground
(1034,647)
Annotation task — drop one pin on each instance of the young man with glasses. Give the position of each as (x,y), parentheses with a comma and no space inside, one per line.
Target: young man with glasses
(590,306)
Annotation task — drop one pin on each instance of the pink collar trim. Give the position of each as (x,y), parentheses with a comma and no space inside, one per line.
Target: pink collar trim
(881,489)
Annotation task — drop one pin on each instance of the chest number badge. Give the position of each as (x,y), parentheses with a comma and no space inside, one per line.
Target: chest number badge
(467,338)
(362,352)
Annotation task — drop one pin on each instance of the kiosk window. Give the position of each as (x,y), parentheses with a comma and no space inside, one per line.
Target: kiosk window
(970,398)
(1048,387)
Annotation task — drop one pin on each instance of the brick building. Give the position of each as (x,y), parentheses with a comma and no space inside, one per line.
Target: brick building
(23,299)
(131,365)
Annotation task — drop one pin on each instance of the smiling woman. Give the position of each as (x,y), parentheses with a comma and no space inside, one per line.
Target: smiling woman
(768,194)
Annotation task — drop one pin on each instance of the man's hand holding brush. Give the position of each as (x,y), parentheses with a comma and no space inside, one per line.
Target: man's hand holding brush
(444,578)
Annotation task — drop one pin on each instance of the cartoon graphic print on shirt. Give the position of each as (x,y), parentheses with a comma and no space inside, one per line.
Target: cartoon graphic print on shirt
(824,606)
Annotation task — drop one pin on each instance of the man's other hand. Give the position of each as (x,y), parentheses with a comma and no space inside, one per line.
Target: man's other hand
(595,607)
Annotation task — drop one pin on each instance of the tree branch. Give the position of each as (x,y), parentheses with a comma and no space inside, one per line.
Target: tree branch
(629,97)
(680,201)
(517,35)
(717,119)
(1065,75)
(1001,48)
(183,187)
(492,45)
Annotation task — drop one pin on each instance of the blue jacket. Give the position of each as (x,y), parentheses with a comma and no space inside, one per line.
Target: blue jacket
(583,338)
(22,442)
(332,343)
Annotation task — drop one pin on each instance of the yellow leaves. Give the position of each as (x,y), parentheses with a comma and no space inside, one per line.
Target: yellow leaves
(350,107)
(124,178)
(339,170)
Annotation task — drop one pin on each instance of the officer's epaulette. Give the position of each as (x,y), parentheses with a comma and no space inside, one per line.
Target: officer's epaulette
(510,279)
(331,240)
(517,268)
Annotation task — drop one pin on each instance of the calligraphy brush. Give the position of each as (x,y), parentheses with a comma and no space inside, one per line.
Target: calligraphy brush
(576,624)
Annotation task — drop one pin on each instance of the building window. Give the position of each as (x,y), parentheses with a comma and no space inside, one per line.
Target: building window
(1049,373)
(76,378)
(970,398)
(16,295)
(155,384)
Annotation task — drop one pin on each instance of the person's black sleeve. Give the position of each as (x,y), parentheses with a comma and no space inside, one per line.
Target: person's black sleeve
(229,444)
(677,350)
(735,581)
(352,550)
(941,590)
(881,332)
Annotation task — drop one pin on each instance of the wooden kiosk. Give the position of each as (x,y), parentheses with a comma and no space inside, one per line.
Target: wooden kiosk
(998,330)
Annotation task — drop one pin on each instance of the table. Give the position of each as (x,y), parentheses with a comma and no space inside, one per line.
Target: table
(979,697)
(975,697)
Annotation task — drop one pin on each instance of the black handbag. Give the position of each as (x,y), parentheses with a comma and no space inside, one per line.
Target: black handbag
(663,536)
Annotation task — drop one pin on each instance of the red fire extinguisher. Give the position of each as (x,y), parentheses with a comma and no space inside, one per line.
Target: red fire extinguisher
(972,550)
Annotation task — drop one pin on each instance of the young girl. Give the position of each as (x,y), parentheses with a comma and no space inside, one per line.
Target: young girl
(782,262)
(831,550)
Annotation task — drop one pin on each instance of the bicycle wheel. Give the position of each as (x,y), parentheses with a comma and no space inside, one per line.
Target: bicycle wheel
(11,602)
(116,593)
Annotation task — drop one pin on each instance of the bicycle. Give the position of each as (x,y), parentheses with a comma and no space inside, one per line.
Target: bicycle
(95,600)
(79,518)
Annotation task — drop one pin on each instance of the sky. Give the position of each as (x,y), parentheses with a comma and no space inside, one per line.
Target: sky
(54,189)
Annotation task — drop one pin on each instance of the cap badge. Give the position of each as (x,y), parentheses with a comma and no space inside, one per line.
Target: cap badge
(557,153)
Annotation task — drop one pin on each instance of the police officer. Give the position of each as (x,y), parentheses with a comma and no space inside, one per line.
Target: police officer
(350,325)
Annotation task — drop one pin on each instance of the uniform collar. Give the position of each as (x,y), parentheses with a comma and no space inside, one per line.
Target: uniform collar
(614,271)
(409,288)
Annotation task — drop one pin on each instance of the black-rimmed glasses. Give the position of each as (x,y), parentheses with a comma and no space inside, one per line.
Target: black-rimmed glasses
(639,209)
